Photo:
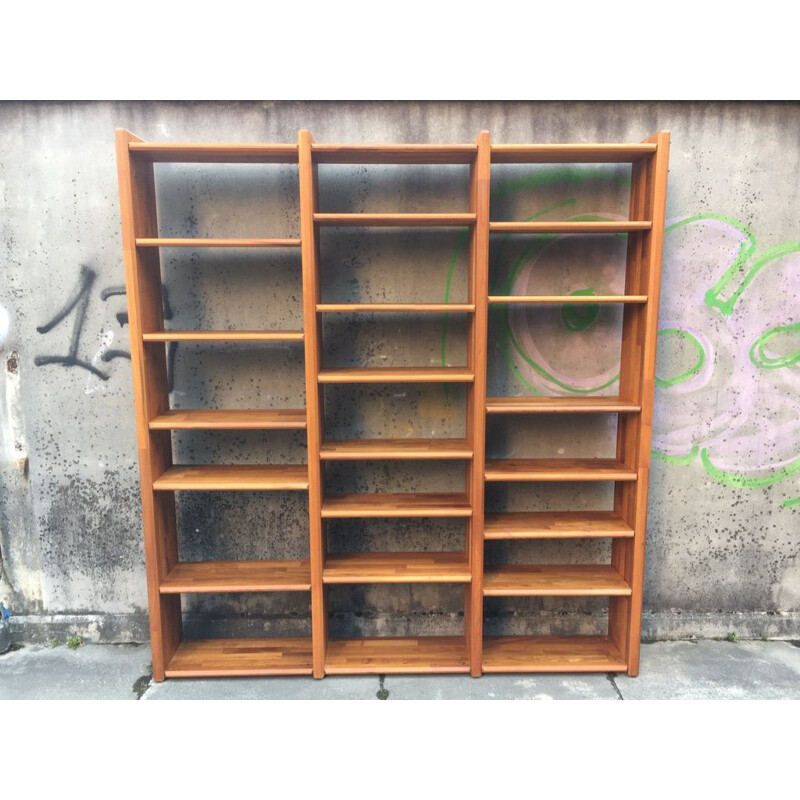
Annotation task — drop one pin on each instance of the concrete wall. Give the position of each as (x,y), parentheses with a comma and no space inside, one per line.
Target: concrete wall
(724,517)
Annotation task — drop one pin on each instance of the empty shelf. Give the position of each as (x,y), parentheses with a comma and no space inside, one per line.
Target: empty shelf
(396,505)
(568,299)
(396,220)
(227,477)
(210,419)
(554,525)
(178,152)
(396,568)
(216,658)
(395,449)
(625,226)
(551,654)
(218,242)
(397,375)
(417,308)
(223,336)
(548,580)
(570,153)
(394,153)
(395,655)
(559,405)
(558,469)
(238,576)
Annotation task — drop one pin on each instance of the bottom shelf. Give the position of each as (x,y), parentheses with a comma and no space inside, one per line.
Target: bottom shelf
(393,655)
(551,654)
(215,658)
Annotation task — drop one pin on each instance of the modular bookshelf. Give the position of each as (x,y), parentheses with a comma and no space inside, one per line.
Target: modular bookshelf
(620,580)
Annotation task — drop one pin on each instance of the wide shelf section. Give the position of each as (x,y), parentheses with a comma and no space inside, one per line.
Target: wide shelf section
(558,469)
(233,477)
(397,375)
(396,568)
(553,580)
(217,658)
(602,226)
(159,242)
(560,405)
(223,336)
(372,308)
(211,419)
(555,525)
(396,505)
(396,220)
(570,299)
(570,153)
(179,152)
(237,576)
(394,153)
(397,655)
(419,449)
(551,654)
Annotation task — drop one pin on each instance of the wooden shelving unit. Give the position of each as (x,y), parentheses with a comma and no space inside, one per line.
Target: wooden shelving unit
(624,525)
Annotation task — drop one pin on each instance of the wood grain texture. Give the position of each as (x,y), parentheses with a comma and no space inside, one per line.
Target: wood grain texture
(397,375)
(218,658)
(553,580)
(396,568)
(393,153)
(377,308)
(223,336)
(560,405)
(569,153)
(397,655)
(180,152)
(551,654)
(558,469)
(156,242)
(237,576)
(570,227)
(555,525)
(396,505)
(568,299)
(420,449)
(396,220)
(218,419)
(230,477)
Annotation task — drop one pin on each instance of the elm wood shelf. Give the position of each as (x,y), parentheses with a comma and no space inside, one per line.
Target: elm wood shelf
(237,576)
(397,375)
(223,336)
(394,153)
(396,568)
(396,220)
(229,477)
(397,655)
(178,152)
(417,308)
(627,226)
(396,505)
(219,419)
(548,580)
(218,242)
(555,525)
(570,153)
(421,449)
(570,299)
(560,405)
(552,654)
(219,658)
(558,469)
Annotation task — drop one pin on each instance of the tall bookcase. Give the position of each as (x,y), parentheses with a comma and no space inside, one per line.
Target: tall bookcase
(624,525)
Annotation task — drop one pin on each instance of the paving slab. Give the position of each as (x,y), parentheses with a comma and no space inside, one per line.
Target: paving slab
(711,670)
(90,672)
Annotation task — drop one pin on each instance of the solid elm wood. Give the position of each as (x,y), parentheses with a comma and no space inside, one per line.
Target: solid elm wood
(396,568)
(626,226)
(560,405)
(156,242)
(417,308)
(219,658)
(396,505)
(396,375)
(557,469)
(223,336)
(555,525)
(568,299)
(421,449)
(180,152)
(570,153)
(553,580)
(188,577)
(551,654)
(218,419)
(233,477)
(397,655)
(393,153)
(395,220)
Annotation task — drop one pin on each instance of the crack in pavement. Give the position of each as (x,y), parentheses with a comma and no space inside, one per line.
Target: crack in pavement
(610,678)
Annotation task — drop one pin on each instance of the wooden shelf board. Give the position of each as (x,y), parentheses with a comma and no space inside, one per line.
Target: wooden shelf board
(560,405)
(396,505)
(555,525)
(395,449)
(227,477)
(178,152)
(570,153)
(397,655)
(417,308)
(570,299)
(558,469)
(397,375)
(396,568)
(223,336)
(554,580)
(237,576)
(217,658)
(210,419)
(551,654)
(625,226)
(393,153)
(396,220)
(218,242)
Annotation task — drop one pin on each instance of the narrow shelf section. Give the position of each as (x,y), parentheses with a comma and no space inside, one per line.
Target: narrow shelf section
(555,525)
(396,505)
(551,654)
(417,308)
(223,336)
(626,226)
(237,576)
(569,299)
(549,580)
(397,375)
(558,469)
(216,658)
(179,152)
(396,655)
(396,449)
(218,243)
(394,153)
(227,477)
(396,220)
(219,419)
(560,405)
(396,568)
(570,153)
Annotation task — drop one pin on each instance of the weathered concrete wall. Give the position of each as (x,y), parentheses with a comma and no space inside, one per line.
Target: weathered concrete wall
(724,518)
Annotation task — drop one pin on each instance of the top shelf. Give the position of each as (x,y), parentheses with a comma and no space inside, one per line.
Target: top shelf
(570,153)
(394,153)
(215,153)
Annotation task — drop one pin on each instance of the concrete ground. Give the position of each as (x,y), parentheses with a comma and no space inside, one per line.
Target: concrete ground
(703,670)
